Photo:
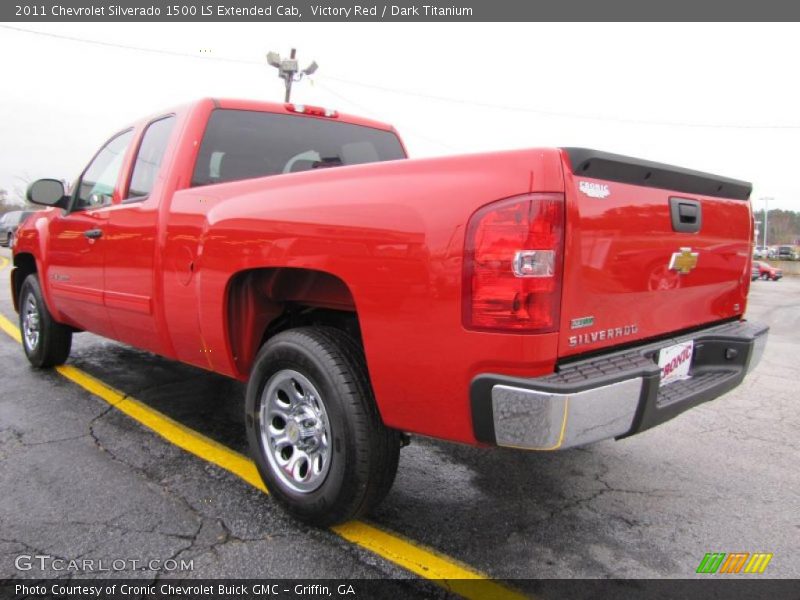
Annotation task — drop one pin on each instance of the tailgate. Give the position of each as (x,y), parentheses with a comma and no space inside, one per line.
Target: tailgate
(650,250)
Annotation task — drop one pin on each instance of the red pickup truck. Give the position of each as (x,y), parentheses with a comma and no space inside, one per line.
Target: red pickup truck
(536,299)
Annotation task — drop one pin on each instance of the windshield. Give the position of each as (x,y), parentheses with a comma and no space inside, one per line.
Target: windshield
(240,144)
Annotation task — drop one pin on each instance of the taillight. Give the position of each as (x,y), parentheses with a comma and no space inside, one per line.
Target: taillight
(513,265)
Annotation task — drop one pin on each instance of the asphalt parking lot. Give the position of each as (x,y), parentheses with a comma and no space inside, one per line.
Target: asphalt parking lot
(81,479)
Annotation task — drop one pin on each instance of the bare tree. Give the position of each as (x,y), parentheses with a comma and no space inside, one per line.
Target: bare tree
(21,182)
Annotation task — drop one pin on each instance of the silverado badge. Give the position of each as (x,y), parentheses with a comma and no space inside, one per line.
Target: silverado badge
(683,261)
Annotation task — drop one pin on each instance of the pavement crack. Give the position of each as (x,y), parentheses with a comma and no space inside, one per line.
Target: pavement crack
(55,441)
(586,501)
(33,550)
(99,443)
(177,554)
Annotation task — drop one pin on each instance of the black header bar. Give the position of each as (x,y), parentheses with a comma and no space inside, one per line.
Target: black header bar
(624,169)
(399,10)
(731,588)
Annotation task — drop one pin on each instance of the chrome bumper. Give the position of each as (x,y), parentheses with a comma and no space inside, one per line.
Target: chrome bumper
(549,421)
(613,395)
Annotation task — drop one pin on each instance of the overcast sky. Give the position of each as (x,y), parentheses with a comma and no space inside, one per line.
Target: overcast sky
(714,97)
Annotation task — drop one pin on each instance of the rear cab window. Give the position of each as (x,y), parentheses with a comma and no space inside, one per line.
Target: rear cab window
(149,158)
(241,144)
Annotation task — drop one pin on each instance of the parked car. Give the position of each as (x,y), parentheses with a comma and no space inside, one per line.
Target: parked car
(9,223)
(755,272)
(766,271)
(760,252)
(510,299)
(785,253)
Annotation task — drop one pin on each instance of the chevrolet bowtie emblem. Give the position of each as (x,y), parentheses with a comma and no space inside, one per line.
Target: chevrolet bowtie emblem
(683,261)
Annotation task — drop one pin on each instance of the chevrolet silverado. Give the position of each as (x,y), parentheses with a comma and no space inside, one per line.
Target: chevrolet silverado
(537,299)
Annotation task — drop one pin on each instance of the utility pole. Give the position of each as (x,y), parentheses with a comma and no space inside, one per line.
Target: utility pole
(288,69)
(766,200)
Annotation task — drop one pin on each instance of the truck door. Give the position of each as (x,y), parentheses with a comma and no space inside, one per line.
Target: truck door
(131,243)
(75,269)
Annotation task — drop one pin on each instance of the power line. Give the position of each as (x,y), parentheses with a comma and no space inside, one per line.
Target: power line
(422,95)
(69,38)
(566,115)
(367,112)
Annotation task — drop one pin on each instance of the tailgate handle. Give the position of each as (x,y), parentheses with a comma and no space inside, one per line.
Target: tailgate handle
(687,215)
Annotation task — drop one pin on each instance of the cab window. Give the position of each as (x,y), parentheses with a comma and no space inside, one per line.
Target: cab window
(149,158)
(242,144)
(97,184)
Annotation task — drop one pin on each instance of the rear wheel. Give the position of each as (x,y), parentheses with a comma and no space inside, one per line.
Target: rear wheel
(314,429)
(46,342)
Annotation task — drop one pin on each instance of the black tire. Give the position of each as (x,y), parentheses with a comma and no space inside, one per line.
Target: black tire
(363,453)
(8,240)
(54,340)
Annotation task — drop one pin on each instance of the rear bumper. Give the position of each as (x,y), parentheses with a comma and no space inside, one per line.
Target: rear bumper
(612,395)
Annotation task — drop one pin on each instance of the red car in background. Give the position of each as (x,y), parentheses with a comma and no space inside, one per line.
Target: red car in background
(766,271)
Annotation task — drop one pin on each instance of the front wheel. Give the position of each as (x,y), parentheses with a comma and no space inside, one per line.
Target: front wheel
(46,342)
(314,429)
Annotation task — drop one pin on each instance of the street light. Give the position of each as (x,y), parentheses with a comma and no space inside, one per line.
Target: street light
(288,69)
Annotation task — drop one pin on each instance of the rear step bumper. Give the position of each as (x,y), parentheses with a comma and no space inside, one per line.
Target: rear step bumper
(613,395)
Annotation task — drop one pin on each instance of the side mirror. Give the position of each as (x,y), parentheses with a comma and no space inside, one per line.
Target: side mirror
(47,192)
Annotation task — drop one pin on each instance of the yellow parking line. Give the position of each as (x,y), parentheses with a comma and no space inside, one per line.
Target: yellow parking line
(410,555)
(169,429)
(11,329)
(3,262)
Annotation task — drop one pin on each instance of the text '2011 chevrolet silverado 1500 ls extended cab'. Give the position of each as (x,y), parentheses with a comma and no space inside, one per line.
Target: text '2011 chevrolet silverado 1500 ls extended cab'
(536,299)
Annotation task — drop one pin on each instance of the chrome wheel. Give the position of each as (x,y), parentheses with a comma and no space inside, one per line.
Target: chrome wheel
(295,432)
(31,323)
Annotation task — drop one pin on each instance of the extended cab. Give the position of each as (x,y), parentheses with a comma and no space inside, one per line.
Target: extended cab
(536,299)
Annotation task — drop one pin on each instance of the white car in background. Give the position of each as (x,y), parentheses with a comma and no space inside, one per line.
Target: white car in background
(9,223)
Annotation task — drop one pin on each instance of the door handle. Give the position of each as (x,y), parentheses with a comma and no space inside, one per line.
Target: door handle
(93,234)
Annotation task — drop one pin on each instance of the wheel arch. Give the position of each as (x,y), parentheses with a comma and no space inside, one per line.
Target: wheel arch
(24,265)
(261,302)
